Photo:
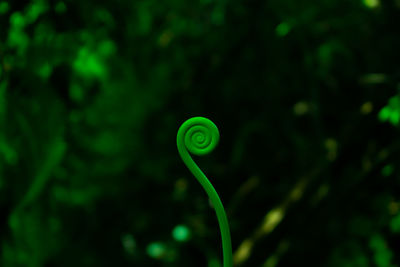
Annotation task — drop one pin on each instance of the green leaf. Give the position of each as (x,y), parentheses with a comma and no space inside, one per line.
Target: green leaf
(384,114)
(283,29)
(395,224)
(17,20)
(382,253)
(387,170)
(391,112)
(4,7)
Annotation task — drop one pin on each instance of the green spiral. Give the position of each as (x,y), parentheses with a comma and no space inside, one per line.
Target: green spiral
(200,136)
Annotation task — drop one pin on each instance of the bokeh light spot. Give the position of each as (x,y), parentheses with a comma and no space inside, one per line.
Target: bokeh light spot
(181,233)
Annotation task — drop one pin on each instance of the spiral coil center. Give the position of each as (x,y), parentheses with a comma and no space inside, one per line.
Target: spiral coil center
(200,135)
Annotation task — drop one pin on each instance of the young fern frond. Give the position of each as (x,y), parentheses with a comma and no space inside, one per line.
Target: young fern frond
(199,136)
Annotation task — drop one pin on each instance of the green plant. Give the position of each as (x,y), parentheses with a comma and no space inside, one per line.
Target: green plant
(200,136)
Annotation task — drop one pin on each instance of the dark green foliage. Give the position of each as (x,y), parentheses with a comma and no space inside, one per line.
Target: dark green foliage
(305,95)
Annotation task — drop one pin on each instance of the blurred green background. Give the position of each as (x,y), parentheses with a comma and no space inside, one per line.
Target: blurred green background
(305,95)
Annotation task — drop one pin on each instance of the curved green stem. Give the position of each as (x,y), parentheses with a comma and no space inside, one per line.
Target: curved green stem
(199,136)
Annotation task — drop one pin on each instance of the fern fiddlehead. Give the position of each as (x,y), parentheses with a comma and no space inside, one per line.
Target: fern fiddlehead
(200,136)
